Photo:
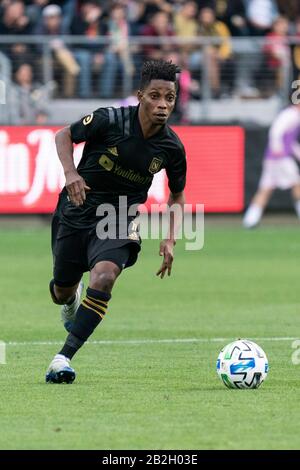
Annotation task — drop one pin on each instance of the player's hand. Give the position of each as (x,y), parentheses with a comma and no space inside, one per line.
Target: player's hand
(166,250)
(76,188)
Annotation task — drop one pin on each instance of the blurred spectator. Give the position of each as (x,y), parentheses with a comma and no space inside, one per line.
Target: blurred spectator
(215,55)
(233,14)
(64,61)
(14,19)
(261,15)
(185,20)
(186,87)
(135,15)
(277,51)
(150,7)
(34,10)
(160,26)
(15,22)
(186,25)
(30,98)
(117,55)
(252,69)
(206,4)
(90,23)
(68,11)
(296,50)
(289,8)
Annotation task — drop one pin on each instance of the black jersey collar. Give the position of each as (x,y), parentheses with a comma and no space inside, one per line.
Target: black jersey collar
(137,128)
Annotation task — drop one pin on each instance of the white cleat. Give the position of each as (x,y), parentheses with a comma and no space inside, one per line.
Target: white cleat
(252,216)
(60,371)
(68,312)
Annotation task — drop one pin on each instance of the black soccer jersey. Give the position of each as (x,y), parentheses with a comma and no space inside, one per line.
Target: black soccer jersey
(118,161)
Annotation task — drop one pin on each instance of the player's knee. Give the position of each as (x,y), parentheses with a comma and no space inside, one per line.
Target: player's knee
(60,299)
(61,295)
(103,281)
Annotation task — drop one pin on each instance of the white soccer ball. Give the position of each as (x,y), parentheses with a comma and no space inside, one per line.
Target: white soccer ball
(242,364)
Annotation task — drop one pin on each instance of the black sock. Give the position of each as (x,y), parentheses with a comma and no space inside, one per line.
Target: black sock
(89,314)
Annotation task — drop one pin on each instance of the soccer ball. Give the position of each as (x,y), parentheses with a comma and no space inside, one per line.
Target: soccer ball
(242,364)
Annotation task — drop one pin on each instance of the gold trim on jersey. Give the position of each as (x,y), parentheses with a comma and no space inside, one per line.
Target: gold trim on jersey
(113,151)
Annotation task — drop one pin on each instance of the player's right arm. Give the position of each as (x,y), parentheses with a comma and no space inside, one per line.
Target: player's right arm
(75,184)
(93,126)
(86,129)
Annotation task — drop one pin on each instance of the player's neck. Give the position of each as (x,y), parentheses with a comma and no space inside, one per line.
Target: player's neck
(148,128)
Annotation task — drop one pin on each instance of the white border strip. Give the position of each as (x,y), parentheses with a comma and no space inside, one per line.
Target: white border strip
(149,341)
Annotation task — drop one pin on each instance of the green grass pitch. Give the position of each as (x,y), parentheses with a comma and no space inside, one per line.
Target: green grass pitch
(155,395)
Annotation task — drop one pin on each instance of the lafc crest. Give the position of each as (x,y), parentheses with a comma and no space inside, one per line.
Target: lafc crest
(155,165)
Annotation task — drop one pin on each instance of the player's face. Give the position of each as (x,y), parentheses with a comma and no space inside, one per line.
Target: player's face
(158,100)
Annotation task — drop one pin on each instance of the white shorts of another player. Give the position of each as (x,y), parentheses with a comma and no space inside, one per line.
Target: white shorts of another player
(282,173)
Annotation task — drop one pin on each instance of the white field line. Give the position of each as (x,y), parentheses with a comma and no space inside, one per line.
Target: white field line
(149,341)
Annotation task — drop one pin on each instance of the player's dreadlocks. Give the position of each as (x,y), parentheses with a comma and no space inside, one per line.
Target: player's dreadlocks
(158,70)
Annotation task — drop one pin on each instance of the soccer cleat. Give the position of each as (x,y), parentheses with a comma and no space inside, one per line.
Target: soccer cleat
(68,312)
(252,216)
(60,371)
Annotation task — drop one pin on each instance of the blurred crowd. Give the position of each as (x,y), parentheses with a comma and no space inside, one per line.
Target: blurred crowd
(89,70)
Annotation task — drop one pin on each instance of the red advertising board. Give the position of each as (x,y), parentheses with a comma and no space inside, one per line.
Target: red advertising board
(31,175)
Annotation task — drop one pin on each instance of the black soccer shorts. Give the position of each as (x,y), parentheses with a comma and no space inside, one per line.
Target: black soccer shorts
(75,252)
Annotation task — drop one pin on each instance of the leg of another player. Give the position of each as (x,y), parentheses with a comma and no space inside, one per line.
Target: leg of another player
(256,208)
(296,197)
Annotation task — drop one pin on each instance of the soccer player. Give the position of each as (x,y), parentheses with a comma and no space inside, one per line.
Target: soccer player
(279,167)
(123,150)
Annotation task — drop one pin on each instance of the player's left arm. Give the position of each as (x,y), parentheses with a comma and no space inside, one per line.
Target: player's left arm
(176,203)
(176,173)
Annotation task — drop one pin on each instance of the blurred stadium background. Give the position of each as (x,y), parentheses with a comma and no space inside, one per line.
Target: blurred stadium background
(61,60)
